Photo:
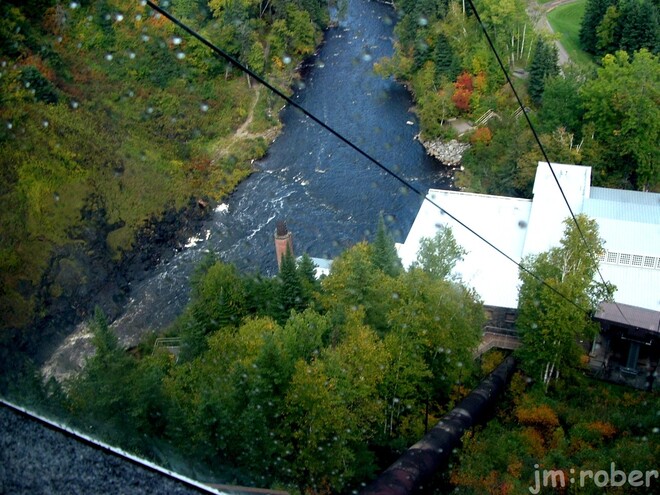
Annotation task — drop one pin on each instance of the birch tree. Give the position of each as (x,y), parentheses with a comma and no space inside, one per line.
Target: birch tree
(551,327)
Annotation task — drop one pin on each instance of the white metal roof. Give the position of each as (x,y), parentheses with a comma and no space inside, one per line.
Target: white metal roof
(629,223)
(625,196)
(500,220)
(549,210)
(321,266)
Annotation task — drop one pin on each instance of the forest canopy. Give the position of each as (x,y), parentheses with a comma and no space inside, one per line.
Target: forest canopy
(289,381)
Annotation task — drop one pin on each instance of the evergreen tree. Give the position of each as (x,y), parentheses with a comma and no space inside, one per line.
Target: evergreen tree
(384,255)
(422,52)
(104,339)
(290,291)
(638,26)
(100,395)
(544,64)
(307,275)
(307,270)
(446,63)
(593,15)
(261,295)
(609,31)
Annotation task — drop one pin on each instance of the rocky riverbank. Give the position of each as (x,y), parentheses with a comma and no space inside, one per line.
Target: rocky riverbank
(86,273)
(449,153)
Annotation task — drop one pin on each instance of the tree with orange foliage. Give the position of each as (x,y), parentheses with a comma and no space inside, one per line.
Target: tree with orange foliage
(483,135)
(463,92)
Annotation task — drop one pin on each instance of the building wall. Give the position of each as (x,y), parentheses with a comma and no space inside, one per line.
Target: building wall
(500,319)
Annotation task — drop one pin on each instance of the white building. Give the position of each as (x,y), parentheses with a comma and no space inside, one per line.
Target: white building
(629,223)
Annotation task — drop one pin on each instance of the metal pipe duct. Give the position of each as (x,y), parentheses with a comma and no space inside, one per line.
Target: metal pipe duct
(418,464)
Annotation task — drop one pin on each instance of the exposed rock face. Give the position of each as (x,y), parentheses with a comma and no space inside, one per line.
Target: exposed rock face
(449,153)
(85,273)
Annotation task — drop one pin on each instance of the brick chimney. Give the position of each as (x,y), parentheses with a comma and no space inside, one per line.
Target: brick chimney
(283,241)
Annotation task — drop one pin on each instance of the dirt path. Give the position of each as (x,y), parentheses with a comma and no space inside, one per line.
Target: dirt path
(243,132)
(540,13)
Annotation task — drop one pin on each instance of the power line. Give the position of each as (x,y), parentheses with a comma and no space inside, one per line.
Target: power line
(540,145)
(348,142)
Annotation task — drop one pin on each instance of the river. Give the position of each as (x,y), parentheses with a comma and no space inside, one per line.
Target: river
(329,196)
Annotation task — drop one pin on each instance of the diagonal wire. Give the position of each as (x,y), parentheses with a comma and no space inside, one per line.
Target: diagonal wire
(540,145)
(348,142)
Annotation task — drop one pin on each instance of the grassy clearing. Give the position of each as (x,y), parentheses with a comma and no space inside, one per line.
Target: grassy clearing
(565,20)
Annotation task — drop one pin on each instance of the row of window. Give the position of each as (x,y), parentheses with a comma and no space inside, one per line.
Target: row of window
(638,260)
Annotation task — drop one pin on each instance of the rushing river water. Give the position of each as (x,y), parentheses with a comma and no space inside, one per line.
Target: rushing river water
(329,195)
